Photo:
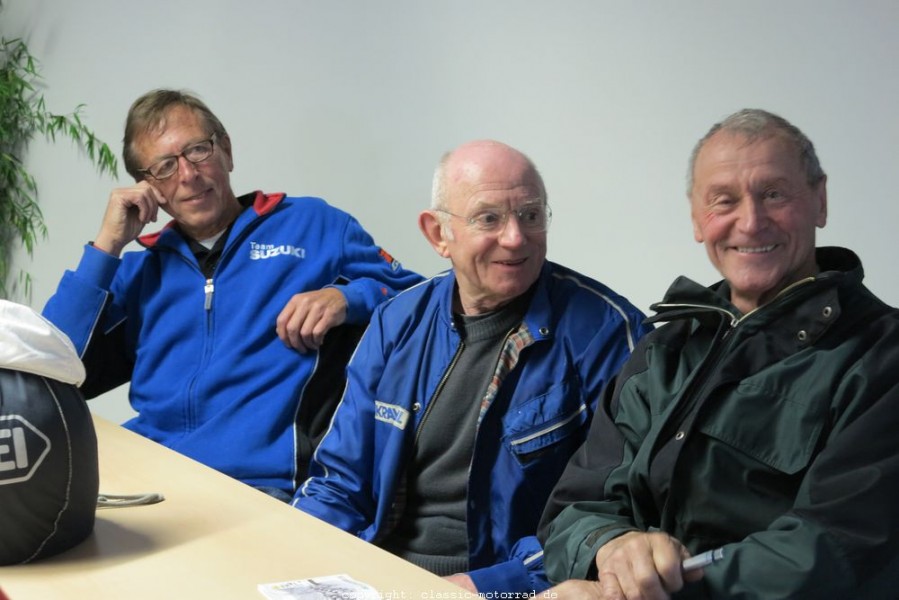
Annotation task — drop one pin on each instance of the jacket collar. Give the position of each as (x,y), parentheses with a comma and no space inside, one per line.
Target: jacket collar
(171,236)
(685,298)
(538,317)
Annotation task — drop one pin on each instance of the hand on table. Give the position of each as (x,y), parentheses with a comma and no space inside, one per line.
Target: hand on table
(644,566)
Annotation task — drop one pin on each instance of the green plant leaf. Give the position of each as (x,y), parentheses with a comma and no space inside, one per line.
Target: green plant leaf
(23,114)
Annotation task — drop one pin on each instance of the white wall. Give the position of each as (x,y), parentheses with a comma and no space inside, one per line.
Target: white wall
(356,100)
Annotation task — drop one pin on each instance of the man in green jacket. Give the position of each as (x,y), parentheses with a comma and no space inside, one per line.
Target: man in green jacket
(761,420)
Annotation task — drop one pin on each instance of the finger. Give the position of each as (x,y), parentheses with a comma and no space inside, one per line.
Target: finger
(308,316)
(152,209)
(667,555)
(131,204)
(150,200)
(641,581)
(296,333)
(282,325)
(610,588)
(314,328)
(694,574)
(330,318)
(298,341)
(143,206)
(634,569)
(151,190)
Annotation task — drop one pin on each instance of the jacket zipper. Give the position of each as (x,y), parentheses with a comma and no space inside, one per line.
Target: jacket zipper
(208,289)
(437,391)
(716,355)
(682,413)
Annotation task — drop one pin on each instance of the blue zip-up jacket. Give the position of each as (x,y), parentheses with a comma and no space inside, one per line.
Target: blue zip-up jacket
(209,376)
(574,337)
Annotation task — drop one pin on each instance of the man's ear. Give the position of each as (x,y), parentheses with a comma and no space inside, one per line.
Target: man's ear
(697,230)
(432,228)
(225,144)
(821,200)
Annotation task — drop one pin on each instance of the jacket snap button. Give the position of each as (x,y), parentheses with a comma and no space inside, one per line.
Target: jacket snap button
(802,335)
(544,331)
(416,407)
(680,435)
(827,312)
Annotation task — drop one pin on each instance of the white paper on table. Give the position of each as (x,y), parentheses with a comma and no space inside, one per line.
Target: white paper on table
(331,587)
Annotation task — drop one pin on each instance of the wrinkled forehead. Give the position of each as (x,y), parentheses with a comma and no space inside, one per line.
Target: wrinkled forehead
(729,152)
(498,194)
(174,127)
(174,118)
(736,141)
(500,184)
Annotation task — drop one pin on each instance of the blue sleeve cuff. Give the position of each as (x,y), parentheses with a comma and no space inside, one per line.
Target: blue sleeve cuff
(506,577)
(97,267)
(357,305)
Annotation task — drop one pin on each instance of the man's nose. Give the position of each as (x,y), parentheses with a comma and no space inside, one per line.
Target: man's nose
(753,215)
(186,169)
(511,233)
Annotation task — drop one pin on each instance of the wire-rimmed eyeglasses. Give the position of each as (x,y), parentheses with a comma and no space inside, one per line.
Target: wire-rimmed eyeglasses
(531,217)
(194,154)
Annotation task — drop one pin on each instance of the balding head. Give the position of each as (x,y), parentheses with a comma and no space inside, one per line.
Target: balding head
(467,166)
(489,217)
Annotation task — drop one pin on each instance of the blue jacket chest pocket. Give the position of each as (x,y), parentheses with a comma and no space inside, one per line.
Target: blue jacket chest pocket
(552,422)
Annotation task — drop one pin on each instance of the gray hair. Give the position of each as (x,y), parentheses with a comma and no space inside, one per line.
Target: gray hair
(755,123)
(439,195)
(438,185)
(149,111)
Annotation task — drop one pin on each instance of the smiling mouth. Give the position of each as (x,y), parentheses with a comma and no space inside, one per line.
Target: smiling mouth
(196,197)
(755,249)
(511,263)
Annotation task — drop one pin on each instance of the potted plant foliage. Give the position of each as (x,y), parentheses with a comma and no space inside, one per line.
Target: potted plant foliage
(23,114)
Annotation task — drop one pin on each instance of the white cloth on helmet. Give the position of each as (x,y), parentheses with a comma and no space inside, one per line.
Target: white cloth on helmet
(32,344)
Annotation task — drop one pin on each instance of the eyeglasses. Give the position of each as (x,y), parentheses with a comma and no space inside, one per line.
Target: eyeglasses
(194,154)
(533,218)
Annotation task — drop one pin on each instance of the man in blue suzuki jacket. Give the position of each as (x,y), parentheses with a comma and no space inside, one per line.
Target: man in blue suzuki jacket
(469,392)
(235,322)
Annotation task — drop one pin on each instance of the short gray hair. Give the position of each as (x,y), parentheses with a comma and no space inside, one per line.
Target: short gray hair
(438,185)
(439,195)
(755,123)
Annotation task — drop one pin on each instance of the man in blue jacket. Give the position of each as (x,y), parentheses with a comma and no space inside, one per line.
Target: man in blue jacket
(469,392)
(235,323)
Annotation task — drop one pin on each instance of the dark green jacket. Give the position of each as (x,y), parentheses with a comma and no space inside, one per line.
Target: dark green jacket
(774,435)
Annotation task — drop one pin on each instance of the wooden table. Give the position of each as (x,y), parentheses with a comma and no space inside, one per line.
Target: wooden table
(212,537)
